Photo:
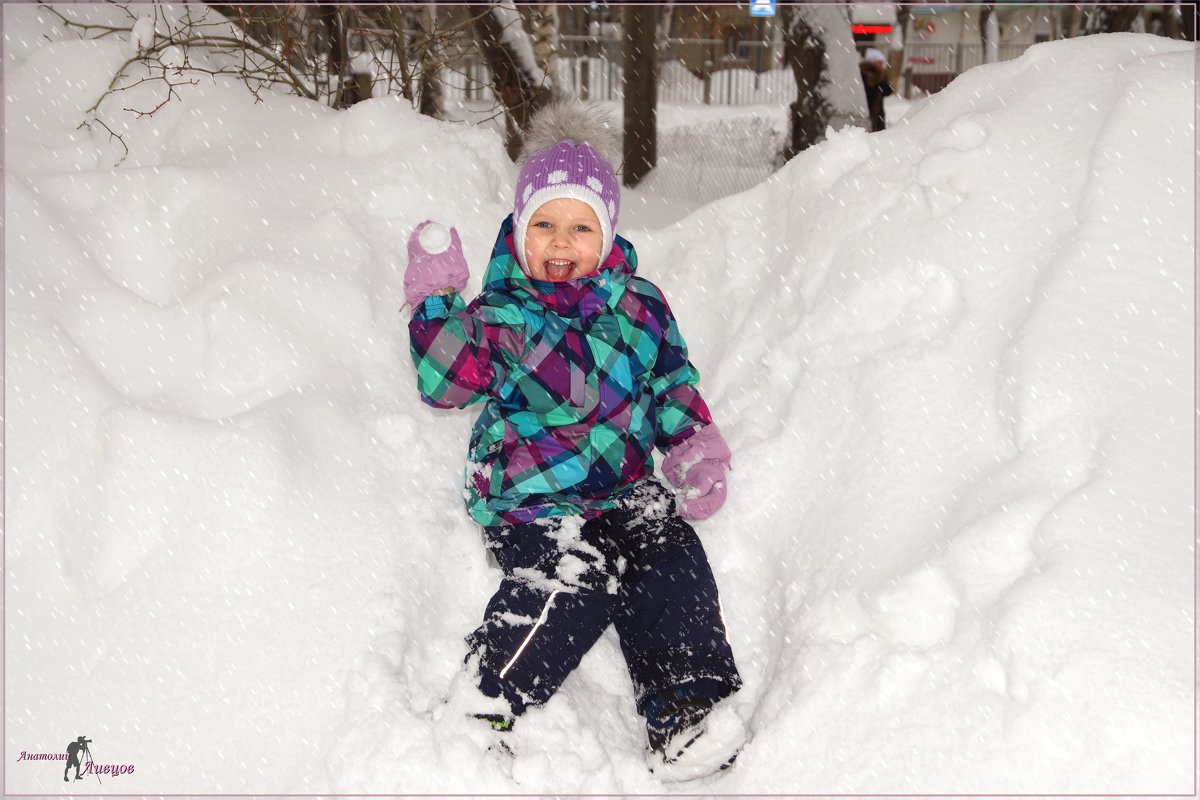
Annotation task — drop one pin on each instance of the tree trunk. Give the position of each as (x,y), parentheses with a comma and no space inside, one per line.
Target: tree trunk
(517,82)
(804,53)
(666,27)
(1121,18)
(542,21)
(331,20)
(986,26)
(641,92)
(900,64)
(1074,24)
(1172,26)
(1112,19)
(429,83)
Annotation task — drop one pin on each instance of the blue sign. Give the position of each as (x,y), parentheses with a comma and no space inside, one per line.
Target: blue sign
(762,8)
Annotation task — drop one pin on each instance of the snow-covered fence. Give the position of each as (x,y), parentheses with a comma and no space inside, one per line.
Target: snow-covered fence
(704,155)
(741,86)
(677,85)
(468,80)
(931,66)
(596,72)
(602,77)
(591,67)
(955,58)
(731,79)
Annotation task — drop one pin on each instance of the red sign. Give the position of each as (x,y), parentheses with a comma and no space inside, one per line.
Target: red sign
(870,29)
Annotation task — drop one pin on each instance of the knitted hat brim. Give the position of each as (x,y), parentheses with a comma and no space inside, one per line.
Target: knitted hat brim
(558,192)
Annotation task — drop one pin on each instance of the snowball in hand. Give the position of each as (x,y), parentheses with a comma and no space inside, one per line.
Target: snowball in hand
(435,261)
(435,238)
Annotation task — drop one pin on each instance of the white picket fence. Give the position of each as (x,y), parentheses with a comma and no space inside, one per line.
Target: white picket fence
(599,77)
(956,58)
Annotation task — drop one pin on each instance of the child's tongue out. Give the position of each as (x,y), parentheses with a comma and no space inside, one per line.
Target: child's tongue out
(558,269)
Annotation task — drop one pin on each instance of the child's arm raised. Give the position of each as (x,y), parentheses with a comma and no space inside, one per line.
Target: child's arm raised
(460,356)
(461,352)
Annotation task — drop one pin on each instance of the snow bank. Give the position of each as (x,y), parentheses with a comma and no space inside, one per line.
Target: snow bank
(211,434)
(705,154)
(952,360)
(954,364)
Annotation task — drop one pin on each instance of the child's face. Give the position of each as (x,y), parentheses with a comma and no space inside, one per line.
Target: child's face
(563,241)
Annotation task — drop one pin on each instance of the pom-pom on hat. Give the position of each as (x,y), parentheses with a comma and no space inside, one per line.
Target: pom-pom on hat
(569,152)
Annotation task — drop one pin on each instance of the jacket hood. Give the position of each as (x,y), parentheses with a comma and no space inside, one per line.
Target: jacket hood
(581,297)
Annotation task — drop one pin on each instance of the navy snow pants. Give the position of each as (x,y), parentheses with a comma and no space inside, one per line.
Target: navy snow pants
(639,567)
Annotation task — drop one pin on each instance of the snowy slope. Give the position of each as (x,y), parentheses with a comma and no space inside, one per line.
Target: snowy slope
(953,361)
(959,366)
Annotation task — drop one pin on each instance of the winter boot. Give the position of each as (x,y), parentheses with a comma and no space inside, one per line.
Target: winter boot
(498,722)
(684,741)
(674,722)
(501,725)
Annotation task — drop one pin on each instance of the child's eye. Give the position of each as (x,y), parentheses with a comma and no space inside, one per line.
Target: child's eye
(542,224)
(583,228)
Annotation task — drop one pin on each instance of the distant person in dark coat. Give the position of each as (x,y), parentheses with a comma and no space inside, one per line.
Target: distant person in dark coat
(875,80)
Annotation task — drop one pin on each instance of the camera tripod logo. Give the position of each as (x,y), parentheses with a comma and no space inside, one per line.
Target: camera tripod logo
(78,753)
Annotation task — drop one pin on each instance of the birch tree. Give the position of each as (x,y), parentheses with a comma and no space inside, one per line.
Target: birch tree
(541,20)
(989,33)
(519,84)
(819,49)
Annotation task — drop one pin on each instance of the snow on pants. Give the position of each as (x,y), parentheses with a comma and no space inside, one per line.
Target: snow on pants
(639,567)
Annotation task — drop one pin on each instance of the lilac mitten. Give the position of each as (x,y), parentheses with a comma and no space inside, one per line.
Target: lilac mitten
(435,261)
(696,467)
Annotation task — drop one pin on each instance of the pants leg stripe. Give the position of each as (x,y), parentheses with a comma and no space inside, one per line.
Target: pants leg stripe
(541,621)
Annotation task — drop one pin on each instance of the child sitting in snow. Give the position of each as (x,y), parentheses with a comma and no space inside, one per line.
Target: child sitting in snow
(582,372)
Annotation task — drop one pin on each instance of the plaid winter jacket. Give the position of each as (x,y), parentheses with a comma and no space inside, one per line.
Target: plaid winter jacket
(580,381)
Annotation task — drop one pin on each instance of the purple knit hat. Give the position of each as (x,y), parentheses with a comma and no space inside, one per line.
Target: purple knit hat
(568,154)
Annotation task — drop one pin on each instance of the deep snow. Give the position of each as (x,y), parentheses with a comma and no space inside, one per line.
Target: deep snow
(953,360)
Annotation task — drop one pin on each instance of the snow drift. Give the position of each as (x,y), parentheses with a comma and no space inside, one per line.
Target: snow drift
(953,361)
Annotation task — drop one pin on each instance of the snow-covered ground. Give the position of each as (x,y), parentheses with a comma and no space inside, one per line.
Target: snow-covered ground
(954,361)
